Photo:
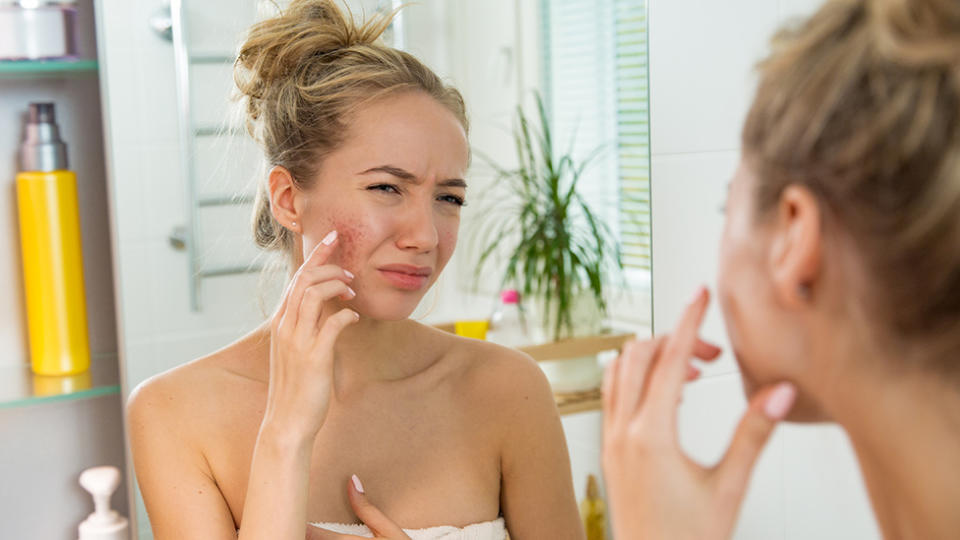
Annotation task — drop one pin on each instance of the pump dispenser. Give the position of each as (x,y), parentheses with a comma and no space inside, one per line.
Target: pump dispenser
(50,246)
(103,523)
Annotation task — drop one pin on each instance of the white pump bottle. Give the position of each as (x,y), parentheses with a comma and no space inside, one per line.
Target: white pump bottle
(103,523)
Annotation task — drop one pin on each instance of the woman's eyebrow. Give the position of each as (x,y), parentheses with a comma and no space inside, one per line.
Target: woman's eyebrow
(395,171)
(410,177)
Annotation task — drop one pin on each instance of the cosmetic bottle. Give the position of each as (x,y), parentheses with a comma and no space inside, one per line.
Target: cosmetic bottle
(38,29)
(593,511)
(51,250)
(507,324)
(103,523)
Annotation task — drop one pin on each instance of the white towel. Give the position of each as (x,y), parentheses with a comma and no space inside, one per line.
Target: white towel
(487,530)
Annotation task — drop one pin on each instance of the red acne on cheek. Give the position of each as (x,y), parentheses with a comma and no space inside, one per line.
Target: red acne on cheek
(348,251)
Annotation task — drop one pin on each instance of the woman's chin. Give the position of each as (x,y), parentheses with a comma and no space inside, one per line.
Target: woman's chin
(804,409)
(386,310)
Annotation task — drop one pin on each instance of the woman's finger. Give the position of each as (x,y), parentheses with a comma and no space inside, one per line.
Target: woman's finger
(636,373)
(769,406)
(317,257)
(608,391)
(372,517)
(668,375)
(311,307)
(706,351)
(333,326)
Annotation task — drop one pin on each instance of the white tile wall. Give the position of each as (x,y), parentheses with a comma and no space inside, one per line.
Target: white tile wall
(806,483)
(688,193)
(159,330)
(701,53)
(823,487)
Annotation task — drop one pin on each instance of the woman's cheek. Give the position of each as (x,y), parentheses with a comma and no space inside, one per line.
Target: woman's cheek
(351,235)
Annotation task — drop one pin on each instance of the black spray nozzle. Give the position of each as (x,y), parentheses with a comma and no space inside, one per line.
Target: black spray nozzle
(42,113)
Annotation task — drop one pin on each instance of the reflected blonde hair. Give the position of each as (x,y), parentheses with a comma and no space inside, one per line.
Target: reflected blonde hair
(861,104)
(301,74)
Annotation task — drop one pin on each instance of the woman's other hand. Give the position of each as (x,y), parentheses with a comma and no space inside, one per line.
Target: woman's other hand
(655,490)
(370,515)
(302,335)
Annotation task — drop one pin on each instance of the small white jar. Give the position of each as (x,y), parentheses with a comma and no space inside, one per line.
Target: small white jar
(37,29)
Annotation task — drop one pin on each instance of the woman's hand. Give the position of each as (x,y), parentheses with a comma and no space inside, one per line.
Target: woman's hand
(302,335)
(655,490)
(372,517)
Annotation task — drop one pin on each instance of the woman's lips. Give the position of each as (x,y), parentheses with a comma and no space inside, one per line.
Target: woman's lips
(410,278)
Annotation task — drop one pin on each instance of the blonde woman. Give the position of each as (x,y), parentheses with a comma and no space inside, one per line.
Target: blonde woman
(339,396)
(839,282)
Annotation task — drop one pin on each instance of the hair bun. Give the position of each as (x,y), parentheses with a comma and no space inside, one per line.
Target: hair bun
(281,46)
(919,33)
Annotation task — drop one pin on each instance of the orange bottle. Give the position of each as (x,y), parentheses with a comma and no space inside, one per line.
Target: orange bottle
(51,250)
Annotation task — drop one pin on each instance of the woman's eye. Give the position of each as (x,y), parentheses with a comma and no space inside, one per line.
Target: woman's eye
(386,188)
(453,199)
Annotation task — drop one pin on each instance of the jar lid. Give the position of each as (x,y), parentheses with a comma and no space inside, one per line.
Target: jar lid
(33,4)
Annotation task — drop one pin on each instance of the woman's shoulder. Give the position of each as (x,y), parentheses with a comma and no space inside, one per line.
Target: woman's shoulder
(499,375)
(185,392)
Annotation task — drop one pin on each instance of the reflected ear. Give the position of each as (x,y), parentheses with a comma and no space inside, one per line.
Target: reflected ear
(283,198)
(796,247)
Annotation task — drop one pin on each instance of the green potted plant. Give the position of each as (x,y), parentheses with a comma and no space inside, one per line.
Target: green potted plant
(558,253)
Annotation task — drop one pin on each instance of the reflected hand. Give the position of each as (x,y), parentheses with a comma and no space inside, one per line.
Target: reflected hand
(302,335)
(370,515)
(655,490)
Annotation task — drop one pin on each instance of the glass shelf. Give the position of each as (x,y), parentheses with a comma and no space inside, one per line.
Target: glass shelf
(11,69)
(19,387)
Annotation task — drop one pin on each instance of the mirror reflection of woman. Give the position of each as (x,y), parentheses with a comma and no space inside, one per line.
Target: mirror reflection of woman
(839,282)
(339,409)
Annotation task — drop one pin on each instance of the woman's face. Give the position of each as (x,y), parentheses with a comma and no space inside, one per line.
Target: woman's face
(770,339)
(393,192)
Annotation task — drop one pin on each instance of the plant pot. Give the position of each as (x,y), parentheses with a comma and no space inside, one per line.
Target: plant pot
(571,375)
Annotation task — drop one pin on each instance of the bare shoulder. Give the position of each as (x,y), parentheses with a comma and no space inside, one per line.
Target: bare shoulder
(502,379)
(172,423)
(186,395)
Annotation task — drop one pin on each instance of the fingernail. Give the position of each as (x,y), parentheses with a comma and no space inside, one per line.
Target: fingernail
(357,484)
(330,238)
(352,292)
(348,273)
(696,296)
(356,316)
(780,401)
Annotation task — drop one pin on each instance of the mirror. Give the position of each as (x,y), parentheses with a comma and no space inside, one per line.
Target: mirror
(183,172)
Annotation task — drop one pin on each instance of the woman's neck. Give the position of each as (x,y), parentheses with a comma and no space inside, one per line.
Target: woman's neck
(371,351)
(905,429)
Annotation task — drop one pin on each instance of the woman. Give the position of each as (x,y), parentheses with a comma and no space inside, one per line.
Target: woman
(839,281)
(368,151)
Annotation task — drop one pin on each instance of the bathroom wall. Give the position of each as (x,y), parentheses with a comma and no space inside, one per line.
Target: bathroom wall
(47,446)
(807,484)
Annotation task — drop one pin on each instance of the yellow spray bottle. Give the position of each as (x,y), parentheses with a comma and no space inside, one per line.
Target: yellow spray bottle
(51,250)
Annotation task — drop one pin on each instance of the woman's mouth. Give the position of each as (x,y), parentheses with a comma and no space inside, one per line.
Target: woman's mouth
(406,277)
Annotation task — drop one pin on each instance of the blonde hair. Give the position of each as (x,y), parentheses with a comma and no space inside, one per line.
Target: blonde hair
(861,105)
(301,74)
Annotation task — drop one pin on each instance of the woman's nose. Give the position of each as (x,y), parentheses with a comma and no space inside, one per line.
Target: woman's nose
(418,229)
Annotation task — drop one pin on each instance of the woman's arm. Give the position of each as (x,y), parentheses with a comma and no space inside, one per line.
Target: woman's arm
(302,335)
(180,494)
(536,496)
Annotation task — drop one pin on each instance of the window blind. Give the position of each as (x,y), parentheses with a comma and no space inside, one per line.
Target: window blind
(596,86)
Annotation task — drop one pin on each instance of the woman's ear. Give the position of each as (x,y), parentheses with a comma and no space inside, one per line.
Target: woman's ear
(796,248)
(284,198)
